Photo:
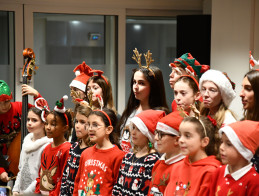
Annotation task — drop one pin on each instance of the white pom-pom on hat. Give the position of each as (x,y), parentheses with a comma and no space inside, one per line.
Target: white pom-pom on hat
(77,73)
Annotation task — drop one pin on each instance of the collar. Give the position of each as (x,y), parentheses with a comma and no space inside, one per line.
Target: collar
(239,173)
(173,159)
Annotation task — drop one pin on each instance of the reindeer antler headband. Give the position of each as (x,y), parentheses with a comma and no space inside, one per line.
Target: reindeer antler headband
(148,56)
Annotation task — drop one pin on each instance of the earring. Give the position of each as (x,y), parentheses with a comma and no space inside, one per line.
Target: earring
(150,145)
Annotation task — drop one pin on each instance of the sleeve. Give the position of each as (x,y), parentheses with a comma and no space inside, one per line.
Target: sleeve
(213,183)
(80,171)
(30,188)
(206,182)
(2,170)
(117,165)
(37,186)
(16,187)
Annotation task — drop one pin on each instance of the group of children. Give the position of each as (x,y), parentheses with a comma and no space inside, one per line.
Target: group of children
(197,149)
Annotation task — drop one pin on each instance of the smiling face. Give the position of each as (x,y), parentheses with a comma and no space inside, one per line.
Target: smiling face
(96,90)
(138,138)
(34,123)
(54,127)
(141,87)
(247,95)
(80,123)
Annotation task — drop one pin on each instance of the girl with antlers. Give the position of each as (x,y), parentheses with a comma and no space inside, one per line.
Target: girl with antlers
(147,92)
(58,125)
(33,146)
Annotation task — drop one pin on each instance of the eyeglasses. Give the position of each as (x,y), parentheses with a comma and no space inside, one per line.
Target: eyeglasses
(161,134)
(93,127)
(211,91)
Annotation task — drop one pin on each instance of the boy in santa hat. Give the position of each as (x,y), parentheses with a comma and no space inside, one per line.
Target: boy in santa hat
(135,171)
(166,137)
(238,176)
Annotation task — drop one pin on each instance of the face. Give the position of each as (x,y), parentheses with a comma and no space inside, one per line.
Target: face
(211,95)
(165,142)
(34,123)
(184,96)
(80,124)
(138,138)
(76,93)
(5,106)
(229,154)
(54,127)
(97,131)
(96,90)
(247,95)
(141,87)
(175,75)
(190,141)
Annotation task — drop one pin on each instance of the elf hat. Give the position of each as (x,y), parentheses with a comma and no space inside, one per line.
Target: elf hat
(82,73)
(5,93)
(191,65)
(244,135)
(223,82)
(60,105)
(170,123)
(146,122)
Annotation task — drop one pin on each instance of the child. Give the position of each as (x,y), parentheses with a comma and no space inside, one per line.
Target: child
(135,170)
(166,136)
(192,175)
(33,146)
(71,167)
(238,177)
(99,165)
(10,119)
(217,91)
(147,92)
(58,124)
(185,65)
(187,93)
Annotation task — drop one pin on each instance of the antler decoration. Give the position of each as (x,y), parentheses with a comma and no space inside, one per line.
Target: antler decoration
(90,98)
(100,101)
(137,57)
(148,57)
(75,95)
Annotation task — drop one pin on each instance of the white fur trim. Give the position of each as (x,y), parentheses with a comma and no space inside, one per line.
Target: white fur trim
(143,128)
(225,87)
(233,138)
(60,110)
(166,129)
(78,84)
(30,146)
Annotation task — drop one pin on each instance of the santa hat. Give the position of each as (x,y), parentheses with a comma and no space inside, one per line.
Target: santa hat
(170,123)
(244,135)
(42,105)
(5,93)
(83,73)
(191,65)
(223,82)
(146,122)
(60,107)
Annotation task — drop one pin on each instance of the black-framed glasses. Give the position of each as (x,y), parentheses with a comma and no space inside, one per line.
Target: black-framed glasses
(161,134)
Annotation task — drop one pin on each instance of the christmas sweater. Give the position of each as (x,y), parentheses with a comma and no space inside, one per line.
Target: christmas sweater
(98,171)
(10,125)
(53,160)
(135,175)
(29,163)
(245,181)
(161,174)
(192,179)
(70,170)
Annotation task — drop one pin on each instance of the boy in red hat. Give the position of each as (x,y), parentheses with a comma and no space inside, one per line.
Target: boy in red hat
(238,176)
(166,137)
(10,119)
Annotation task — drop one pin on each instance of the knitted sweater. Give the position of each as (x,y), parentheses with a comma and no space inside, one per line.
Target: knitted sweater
(29,163)
(135,175)
(98,171)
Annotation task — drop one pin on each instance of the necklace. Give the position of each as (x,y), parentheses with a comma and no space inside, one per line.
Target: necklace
(133,157)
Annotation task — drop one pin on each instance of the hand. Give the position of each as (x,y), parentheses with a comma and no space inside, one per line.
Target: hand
(28,90)
(4,177)
(15,193)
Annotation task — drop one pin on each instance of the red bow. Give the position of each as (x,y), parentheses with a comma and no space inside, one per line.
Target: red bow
(213,121)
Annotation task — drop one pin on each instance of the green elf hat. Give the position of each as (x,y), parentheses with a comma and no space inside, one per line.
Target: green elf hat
(5,93)
(191,65)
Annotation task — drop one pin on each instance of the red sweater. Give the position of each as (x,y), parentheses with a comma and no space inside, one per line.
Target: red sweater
(161,174)
(98,171)
(53,160)
(246,182)
(191,178)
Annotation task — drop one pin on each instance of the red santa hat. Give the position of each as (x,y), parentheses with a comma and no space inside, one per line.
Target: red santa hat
(170,123)
(83,73)
(146,122)
(60,105)
(244,135)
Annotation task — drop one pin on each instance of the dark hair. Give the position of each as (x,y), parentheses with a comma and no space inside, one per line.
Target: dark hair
(38,113)
(106,90)
(113,136)
(69,114)
(156,97)
(213,146)
(253,78)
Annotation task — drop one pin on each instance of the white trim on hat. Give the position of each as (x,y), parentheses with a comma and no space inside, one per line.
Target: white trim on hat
(60,110)
(234,139)
(78,84)
(166,129)
(143,128)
